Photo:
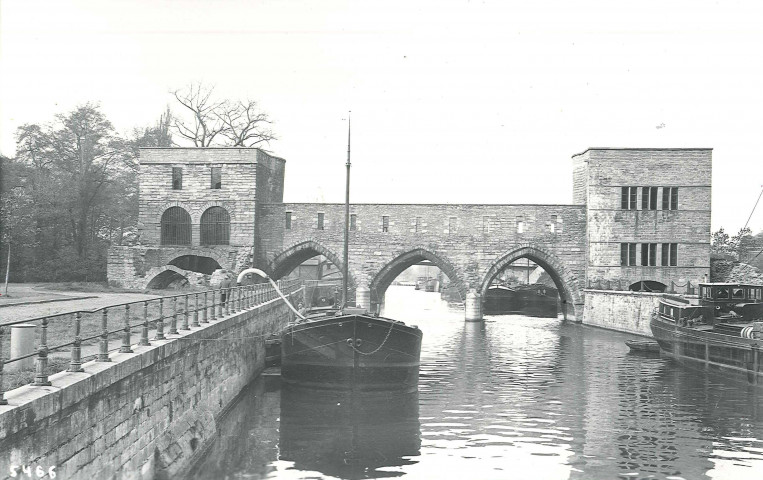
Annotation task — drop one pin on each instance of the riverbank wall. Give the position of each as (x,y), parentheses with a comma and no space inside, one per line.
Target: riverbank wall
(143,415)
(624,311)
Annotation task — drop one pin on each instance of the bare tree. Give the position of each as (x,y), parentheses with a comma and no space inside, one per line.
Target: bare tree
(220,122)
(245,125)
(206,123)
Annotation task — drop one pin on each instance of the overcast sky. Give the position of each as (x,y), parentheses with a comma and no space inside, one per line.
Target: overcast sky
(452,102)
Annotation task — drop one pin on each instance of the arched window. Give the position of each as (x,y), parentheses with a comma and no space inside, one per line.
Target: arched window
(215,226)
(176,227)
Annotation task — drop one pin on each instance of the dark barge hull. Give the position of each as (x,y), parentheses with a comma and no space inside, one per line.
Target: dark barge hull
(500,300)
(351,352)
(727,354)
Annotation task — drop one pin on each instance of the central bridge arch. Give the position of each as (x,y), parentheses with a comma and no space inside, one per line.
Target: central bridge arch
(566,282)
(384,278)
(289,259)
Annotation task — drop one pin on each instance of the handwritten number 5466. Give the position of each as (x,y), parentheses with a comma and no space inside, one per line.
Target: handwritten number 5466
(27,470)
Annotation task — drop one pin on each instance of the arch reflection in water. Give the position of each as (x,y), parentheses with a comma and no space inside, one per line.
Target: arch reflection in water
(349,435)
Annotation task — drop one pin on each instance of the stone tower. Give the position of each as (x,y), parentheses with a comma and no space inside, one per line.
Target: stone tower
(198,212)
(647,216)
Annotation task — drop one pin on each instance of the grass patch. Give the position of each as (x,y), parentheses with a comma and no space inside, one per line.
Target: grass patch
(13,380)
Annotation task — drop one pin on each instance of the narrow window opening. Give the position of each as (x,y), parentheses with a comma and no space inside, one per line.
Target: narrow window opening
(648,254)
(320,221)
(627,254)
(452,221)
(288,221)
(177,178)
(353,221)
(217,179)
(552,224)
(385,223)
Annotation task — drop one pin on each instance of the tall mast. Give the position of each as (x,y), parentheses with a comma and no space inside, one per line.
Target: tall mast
(345,272)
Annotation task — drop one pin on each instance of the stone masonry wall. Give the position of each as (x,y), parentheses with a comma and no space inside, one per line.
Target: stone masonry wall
(623,311)
(247,175)
(145,415)
(135,267)
(470,238)
(607,171)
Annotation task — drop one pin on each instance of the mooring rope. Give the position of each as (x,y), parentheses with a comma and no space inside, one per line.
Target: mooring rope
(286,300)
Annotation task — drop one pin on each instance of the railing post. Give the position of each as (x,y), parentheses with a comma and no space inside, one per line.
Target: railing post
(206,308)
(220,306)
(214,306)
(232,299)
(196,310)
(185,326)
(174,319)
(144,331)
(125,348)
(160,322)
(75,365)
(103,354)
(228,302)
(3,401)
(41,363)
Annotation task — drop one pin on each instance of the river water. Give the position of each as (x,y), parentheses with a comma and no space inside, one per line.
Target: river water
(513,397)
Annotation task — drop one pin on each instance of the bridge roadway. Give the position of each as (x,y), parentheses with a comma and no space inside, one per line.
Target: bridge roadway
(471,244)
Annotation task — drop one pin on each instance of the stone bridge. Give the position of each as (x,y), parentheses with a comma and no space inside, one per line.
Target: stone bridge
(471,244)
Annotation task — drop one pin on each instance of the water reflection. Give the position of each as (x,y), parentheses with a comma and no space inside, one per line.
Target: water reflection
(514,397)
(348,435)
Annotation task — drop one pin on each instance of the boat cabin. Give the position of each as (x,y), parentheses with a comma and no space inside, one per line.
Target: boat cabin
(680,311)
(730,293)
(732,300)
(718,303)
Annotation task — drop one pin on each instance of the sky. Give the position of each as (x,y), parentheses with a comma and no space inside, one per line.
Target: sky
(452,101)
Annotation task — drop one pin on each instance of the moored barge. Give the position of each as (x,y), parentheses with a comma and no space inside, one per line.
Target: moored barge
(355,352)
(721,330)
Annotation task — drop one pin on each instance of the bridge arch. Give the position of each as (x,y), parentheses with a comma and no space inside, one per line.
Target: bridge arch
(161,277)
(384,278)
(566,282)
(218,256)
(286,261)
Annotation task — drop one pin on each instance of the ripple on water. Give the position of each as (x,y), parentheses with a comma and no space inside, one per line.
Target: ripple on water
(514,397)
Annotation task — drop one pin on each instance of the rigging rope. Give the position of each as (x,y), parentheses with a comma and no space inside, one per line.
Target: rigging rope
(749,262)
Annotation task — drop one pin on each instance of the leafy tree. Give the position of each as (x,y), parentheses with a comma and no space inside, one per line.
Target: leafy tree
(71,192)
(741,243)
(738,248)
(720,243)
